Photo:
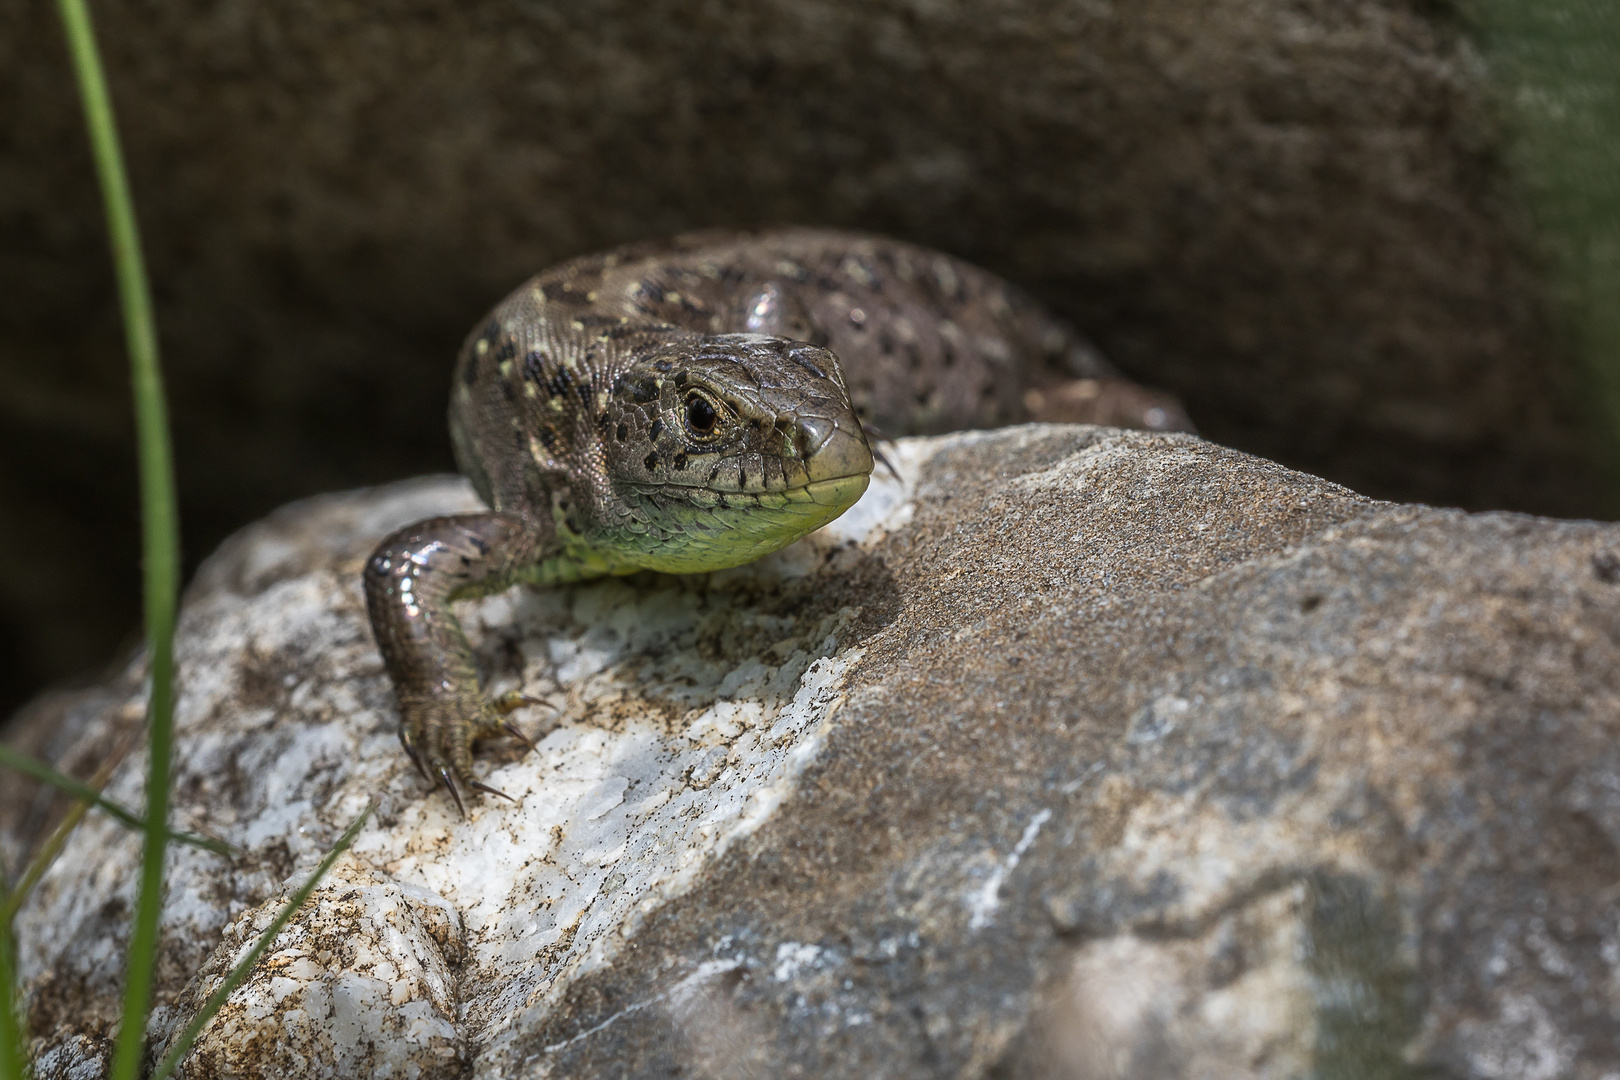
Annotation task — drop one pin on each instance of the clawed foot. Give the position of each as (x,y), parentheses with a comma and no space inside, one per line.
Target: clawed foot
(438,734)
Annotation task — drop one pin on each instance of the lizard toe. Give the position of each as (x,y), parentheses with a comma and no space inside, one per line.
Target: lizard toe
(438,734)
(470,719)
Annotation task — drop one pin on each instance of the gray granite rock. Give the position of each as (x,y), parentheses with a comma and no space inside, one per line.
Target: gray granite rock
(1288,212)
(1071,753)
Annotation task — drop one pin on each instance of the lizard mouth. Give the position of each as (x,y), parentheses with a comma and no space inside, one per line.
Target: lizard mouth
(713,531)
(747,508)
(840,491)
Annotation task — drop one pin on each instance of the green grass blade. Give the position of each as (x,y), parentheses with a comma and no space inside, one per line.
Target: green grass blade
(12,1062)
(53,845)
(159,518)
(240,971)
(41,771)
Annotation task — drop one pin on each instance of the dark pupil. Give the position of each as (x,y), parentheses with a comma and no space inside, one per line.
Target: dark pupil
(700,414)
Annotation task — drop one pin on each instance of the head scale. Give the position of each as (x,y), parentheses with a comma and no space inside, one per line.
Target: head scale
(721,449)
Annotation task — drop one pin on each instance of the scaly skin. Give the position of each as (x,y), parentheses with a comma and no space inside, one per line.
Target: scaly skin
(692,405)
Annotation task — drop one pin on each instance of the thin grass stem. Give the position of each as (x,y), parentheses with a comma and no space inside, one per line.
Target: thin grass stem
(12,1061)
(92,795)
(53,845)
(159,518)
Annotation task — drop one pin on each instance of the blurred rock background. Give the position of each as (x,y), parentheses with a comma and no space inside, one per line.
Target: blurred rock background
(1371,239)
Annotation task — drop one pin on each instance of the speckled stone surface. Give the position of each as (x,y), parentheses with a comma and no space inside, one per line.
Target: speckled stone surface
(1072,753)
(360,985)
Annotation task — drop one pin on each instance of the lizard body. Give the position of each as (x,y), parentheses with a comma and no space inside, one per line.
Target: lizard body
(691,405)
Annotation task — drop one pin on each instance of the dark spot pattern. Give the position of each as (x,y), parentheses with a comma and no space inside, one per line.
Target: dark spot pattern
(837,287)
(800,359)
(569,294)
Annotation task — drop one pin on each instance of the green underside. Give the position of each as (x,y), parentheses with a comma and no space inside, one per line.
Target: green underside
(689,538)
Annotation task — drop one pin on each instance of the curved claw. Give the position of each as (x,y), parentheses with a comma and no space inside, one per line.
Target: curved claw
(515,700)
(450,783)
(494,791)
(517,733)
(410,751)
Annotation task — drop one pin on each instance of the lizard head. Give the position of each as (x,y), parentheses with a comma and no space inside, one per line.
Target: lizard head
(721,449)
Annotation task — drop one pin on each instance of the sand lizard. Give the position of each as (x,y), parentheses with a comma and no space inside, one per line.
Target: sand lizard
(691,405)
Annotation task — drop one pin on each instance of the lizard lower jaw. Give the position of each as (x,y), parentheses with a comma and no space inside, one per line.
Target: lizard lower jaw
(841,492)
(714,536)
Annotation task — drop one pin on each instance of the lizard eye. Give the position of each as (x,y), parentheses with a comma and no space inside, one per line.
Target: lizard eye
(701,415)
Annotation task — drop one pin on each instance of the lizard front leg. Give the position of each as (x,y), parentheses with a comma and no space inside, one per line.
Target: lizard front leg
(411,580)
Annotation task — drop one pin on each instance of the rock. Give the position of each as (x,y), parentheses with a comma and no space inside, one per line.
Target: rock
(1288,212)
(360,986)
(1072,753)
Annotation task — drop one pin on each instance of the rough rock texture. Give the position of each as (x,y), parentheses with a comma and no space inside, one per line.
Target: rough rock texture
(1073,753)
(360,986)
(1286,211)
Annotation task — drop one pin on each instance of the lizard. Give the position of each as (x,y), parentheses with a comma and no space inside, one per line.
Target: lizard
(692,404)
